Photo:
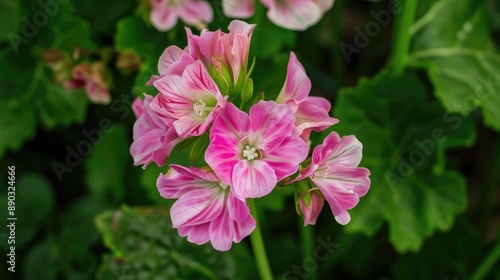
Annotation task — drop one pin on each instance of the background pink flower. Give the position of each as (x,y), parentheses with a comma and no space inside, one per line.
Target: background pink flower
(289,14)
(206,209)
(164,13)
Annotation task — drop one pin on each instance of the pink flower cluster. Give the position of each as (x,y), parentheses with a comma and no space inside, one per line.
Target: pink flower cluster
(289,14)
(248,154)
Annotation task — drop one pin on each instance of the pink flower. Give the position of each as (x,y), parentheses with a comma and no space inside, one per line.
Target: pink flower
(92,77)
(206,209)
(192,99)
(228,50)
(289,14)
(311,204)
(154,139)
(253,152)
(164,13)
(334,170)
(311,113)
(173,61)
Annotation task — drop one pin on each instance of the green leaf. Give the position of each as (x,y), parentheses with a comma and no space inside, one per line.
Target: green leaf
(60,107)
(10,18)
(145,246)
(405,137)
(452,40)
(105,167)
(42,261)
(18,125)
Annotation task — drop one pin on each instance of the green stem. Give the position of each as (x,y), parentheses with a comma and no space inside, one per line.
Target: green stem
(338,59)
(259,249)
(402,35)
(487,264)
(307,242)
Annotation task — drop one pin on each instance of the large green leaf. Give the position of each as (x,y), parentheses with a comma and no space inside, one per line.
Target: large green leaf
(145,246)
(411,189)
(452,40)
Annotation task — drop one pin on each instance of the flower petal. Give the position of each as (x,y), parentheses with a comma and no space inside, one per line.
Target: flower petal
(198,234)
(243,228)
(197,206)
(312,114)
(231,121)
(171,55)
(293,14)
(287,156)
(238,8)
(222,154)
(163,18)
(168,142)
(237,208)
(311,212)
(221,232)
(253,179)
(194,12)
(297,85)
(346,151)
(269,124)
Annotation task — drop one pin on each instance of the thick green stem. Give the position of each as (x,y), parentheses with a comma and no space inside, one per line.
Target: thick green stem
(487,264)
(259,249)
(402,35)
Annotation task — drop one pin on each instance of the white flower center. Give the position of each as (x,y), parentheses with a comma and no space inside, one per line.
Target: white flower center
(250,153)
(223,186)
(199,107)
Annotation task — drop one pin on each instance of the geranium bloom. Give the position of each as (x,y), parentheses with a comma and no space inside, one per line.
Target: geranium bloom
(206,209)
(334,170)
(153,138)
(311,204)
(191,99)
(253,152)
(289,14)
(311,113)
(164,13)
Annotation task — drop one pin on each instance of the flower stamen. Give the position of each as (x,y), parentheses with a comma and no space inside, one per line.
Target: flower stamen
(199,107)
(250,153)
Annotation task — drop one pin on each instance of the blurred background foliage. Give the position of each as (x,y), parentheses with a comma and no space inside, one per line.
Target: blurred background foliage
(100,217)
